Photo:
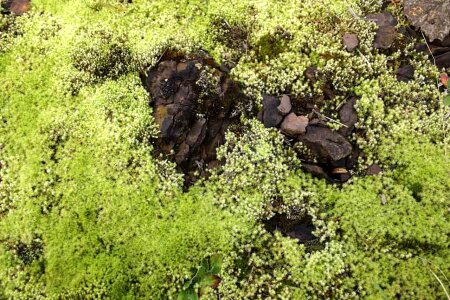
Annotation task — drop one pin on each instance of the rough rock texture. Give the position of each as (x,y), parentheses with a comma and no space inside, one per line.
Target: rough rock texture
(386,32)
(432,16)
(326,143)
(17,7)
(328,150)
(285,106)
(348,116)
(272,116)
(443,60)
(294,125)
(191,115)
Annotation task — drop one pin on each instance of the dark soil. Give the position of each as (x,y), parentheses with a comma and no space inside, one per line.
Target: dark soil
(194,104)
(299,229)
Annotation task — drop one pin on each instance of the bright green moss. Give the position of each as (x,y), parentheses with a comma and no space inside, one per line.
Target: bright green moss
(87,212)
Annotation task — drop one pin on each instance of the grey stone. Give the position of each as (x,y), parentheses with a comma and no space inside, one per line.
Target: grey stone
(294,125)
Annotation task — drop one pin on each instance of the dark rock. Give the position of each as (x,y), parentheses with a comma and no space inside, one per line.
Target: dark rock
(338,164)
(326,143)
(374,170)
(210,146)
(294,125)
(272,117)
(431,16)
(318,122)
(352,160)
(182,153)
(405,73)
(344,177)
(446,41)
(341,174)
(439,50)
(382,19)
(443,61)
(384,38)
(260,116)
(300,229)
(311,74)
(315,170)
(197,133)
(348,116)
(175,97)
(351,41)
(386,32)
(285,106)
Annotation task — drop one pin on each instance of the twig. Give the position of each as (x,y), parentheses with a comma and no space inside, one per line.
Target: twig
(431,53)
(329,119)
(353,13)
(159,59)
(365,59)
(443,286)
(437,277)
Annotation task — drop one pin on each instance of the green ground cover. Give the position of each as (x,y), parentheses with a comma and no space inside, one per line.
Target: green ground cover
(86,211)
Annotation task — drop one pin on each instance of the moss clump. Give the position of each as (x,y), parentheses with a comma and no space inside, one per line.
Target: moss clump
(87,212)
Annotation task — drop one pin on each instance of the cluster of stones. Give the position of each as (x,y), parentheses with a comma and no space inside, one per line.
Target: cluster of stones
(386,34)
(192,121)
(432,17)
(334,155)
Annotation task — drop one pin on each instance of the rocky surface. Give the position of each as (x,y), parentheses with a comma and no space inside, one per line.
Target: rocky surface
(300,229)
(333,154)
(405,73)
(193,103)
(431,16)
(16,7)
(351,41)
(386,32)
(348,116)
(326,143)
(294,125)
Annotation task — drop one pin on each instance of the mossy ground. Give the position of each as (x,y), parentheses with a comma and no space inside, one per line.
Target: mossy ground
(87,212)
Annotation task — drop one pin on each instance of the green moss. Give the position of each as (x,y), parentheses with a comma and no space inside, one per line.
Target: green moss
(86,211)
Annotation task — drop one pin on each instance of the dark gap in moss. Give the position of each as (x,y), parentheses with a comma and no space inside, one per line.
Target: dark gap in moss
(299,229)
(27,253)
(194,103)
